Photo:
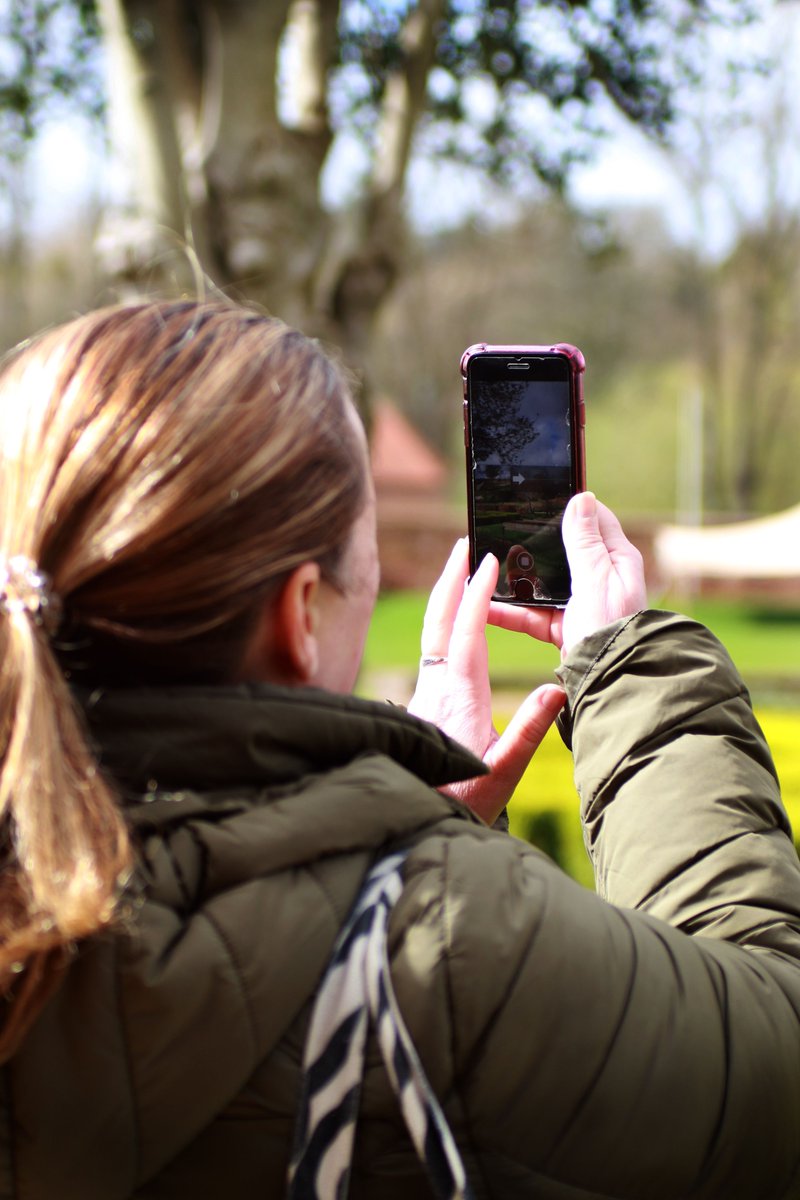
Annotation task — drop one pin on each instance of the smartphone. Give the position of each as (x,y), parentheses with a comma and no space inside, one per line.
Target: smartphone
(524,421)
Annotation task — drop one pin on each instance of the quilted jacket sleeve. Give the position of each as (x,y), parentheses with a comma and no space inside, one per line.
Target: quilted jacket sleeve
(597,1050)
(679,798)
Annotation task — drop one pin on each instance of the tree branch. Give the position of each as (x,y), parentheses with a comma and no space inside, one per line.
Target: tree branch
(404,98)
(144,142)
(190,94)
(366,243)
(311,35)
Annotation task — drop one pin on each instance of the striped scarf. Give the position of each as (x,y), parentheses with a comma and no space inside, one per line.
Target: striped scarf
(356,992)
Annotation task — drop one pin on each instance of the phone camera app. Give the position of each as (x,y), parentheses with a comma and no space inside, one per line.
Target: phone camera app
(521,580)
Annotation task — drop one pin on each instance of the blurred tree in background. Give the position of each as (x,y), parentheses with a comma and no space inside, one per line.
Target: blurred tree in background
(265,147)
(659,324)
(223,116)
(48,58)
(740,165)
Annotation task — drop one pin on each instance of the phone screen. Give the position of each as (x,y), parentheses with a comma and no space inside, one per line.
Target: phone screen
(521,471)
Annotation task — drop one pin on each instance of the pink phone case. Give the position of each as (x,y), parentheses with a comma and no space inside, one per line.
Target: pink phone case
(577,367)
(577,364)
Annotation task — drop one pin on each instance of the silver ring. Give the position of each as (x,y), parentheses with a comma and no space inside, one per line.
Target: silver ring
(432,660)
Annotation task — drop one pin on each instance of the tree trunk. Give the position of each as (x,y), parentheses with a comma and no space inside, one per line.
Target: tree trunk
(220,148)
(141,243)
(263,177)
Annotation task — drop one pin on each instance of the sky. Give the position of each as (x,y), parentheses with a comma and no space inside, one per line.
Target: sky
(544,404)
(66,170)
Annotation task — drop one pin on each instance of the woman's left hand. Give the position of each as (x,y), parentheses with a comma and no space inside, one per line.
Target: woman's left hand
(454,693)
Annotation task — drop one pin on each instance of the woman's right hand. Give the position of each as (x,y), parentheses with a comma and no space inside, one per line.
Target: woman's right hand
(607,579)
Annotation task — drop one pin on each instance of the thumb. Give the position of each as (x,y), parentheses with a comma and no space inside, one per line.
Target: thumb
(581,526)
(513,750)
(583,538)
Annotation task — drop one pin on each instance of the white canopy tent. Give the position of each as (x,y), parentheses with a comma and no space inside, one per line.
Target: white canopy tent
(766,548)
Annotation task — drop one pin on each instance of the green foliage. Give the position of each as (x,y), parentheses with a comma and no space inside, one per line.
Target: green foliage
(635,306)
(48,52)
(632,430)
(514,86)
(548,277)
(544,809)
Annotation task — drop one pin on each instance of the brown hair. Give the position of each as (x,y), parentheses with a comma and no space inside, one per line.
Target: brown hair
(166,464)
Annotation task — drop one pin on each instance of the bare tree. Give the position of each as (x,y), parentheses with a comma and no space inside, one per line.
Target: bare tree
(745,300)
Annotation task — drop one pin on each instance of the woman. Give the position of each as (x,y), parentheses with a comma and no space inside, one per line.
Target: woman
(192,798)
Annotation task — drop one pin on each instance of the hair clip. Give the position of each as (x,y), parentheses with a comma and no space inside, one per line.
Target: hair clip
(24,588)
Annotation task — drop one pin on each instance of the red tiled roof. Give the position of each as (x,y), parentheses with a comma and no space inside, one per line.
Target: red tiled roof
(401,458)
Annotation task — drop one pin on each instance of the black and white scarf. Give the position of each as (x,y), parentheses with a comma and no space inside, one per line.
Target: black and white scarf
(356,992)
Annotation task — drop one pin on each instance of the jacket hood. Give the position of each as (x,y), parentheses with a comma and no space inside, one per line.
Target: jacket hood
(257,735)
(325,765)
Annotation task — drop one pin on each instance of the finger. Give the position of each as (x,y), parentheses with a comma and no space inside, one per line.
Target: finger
(445,597)
(580,527)
(512,752)
(468,650)
(543,624)
(590,563)
(591,525)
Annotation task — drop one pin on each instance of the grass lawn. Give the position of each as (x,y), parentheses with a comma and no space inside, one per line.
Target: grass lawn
(764,644)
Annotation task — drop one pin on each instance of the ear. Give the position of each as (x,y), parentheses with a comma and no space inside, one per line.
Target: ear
(297,621)
(284,648)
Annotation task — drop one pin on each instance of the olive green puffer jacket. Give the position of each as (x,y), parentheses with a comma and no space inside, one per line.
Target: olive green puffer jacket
(644,1048)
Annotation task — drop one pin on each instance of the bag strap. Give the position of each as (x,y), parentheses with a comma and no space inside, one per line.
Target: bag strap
(357,991)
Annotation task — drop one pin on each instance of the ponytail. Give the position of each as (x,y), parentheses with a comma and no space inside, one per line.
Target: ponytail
(64,843)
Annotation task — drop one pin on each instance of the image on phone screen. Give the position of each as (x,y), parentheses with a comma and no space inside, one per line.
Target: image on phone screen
(522,477)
